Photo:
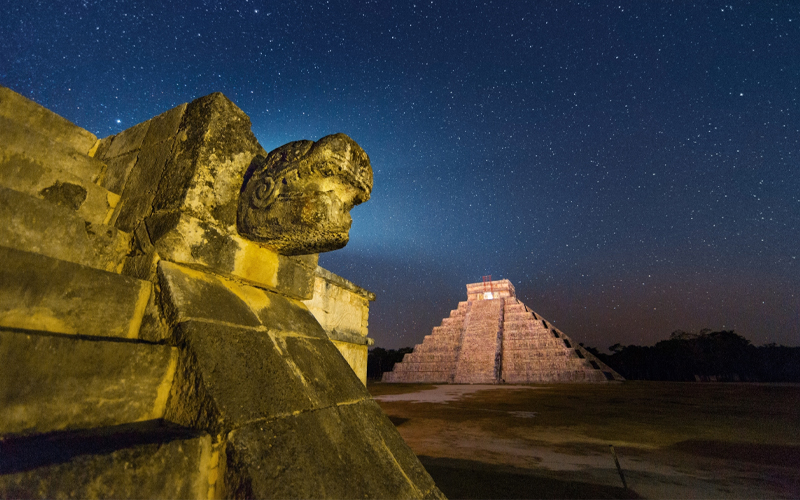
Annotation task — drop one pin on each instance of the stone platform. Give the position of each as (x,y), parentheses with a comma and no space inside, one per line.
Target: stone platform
(493,338)
(154,346)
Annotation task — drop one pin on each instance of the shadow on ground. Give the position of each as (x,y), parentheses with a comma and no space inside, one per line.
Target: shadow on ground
(469,479)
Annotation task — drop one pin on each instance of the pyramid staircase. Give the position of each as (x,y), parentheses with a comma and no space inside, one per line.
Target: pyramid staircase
(78,331)
(494,338)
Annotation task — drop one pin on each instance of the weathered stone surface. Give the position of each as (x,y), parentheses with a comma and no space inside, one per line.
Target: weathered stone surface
(298,198)
(181,238)
(191,294)
(229,376)
(128,140)
(345,449)
(142,184)
(342,308)
(117,171)
(59,382)
(42,293)
(112,463)
(33,116)
(324,372)
(164,127)
(214,149)
(87,199)
(356,356)
(38,226)
(495,338)
(248,354)
(19,142)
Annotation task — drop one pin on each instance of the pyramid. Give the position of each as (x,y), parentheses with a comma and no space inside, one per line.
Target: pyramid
(493,338)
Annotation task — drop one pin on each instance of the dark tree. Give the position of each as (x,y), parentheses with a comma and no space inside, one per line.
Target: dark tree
(705,356)
(379,360)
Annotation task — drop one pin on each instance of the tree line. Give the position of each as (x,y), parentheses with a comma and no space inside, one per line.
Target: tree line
(722,356)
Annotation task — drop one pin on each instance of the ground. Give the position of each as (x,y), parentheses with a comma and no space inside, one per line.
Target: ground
(673,440)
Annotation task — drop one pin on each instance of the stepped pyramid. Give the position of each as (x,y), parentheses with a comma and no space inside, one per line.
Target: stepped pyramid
(494,338)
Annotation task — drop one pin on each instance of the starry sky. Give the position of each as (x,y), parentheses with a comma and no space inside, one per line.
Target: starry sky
(632,167)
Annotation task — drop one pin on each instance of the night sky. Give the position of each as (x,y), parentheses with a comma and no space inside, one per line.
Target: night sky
(632,167)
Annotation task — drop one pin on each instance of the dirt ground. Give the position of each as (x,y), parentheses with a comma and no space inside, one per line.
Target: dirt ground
(673,440)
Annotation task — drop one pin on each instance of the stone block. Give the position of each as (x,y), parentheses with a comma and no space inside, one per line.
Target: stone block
(356,356)
(192,294)
(33,116)
(214,149)
(29,144)
(341,307)
(142,184)
(117,171)
(181,238)
(42,293)
(351,451)
(165,126)
(229,376)
(38,226)
(87,199)
(109,463)
(327,377)
(52,382)
(128,140)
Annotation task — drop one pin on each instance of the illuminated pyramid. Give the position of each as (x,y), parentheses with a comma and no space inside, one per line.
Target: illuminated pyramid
(493,338)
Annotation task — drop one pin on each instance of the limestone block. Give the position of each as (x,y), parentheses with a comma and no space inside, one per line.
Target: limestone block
(191,294)
(214,148)
(35,225)
(102,465)
(128,140)
(351,451)
(32,116)
(142,184)
(87,199)
(164,126)
(339,305)
(228,376)
(50,382)
(42,293)
(19,142)
(356,356)
(178,237)
(117,171)
(195,294)
(327,377)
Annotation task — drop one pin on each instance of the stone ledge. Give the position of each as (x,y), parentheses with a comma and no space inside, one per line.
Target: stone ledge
(343,283)
(59,382)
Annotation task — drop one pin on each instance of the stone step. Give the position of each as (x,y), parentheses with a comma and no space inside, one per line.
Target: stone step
(28,146)
(59,382)
(26,113)
(32,224)
(61,187)
(42,293)
(545,376)
(510,355)
(432,377)
(148,460)
(515,335)
(543,364)
(424,367)
(445,357)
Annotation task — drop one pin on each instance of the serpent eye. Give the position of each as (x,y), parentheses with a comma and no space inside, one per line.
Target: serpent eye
(262,195)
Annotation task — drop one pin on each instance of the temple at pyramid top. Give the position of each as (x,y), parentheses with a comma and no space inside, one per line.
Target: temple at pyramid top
(494,338)
(490,290)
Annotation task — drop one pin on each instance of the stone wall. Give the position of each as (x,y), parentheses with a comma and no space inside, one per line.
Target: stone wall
(147,349)
(342,308)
